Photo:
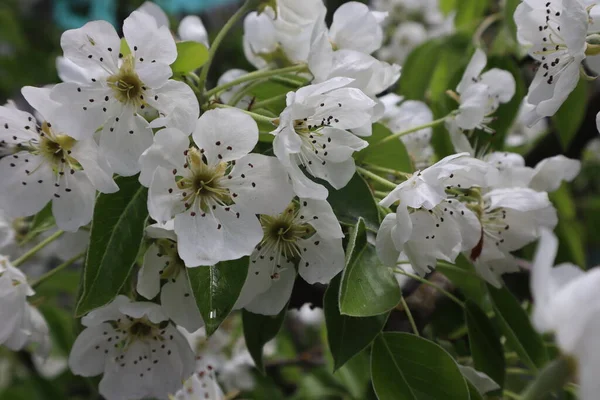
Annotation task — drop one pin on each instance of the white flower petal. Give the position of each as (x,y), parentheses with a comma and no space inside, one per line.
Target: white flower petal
(94,44)
(147,40)
(179,304)
(73,203)
(321,259)
(276,297)
(148,278)
(167,151)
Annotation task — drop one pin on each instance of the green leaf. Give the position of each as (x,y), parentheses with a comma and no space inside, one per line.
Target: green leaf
(469,14)
(216,289)
(368,288)
(569,230)
(518,331)
(463,276)
(391,155)
(355,201)
(418,69)
(116,234)
(190,56)
(570,116)
(408,367)
(347,336)
(484,341)
(258,330)
(42,221)
(510,6)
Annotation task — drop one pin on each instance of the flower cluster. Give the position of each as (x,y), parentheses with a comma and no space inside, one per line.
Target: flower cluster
(263,185)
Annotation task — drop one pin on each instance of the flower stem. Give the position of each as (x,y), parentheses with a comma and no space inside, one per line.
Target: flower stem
(239,95)
(376,178)
(433,285)
(552,378)
(255,116)
(376,168)
(268,102)
(409,315)
(253,76)
(62,266)
(406,132)
(37,248)
(248,5)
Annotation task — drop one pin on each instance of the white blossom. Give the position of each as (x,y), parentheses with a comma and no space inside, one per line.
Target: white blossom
(480,96)
(137,349)
(313,133)
(282,36)
(555,32)
(566,304)
(520,134)
(163,265)
(22,324)
(306,234)
(355,27)
(48,164)
(123,89)
(214,202)
(190,27)
(511,218)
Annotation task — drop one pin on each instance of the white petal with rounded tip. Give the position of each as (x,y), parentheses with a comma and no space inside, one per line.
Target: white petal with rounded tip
(192,28)
(177,106)
(155,12)
(75,206)
(225,135)
(148,278)
(21,193)
(140,309)
(473,71)
(260,183)
(320,215)
(179,304)
(123,142)
(162,231)
(87,153)
(108,312)
(16,127)
(355,27)
(147,41)
(276,297)
(97,39)
(68,71)
(321,259)
(85,359)
(164,197)
(166,151)
(39,99)
(551,172)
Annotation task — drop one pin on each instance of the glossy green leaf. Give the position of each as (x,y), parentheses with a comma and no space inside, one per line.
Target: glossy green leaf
(347,336)
(469,14)
(42,221)
(355,201)
(569,230)
(517,329)
(258,330)
(569,117)
(117,232)
(190,56)
(418,69)
(409,367)
(484,341)
(216,289)
(391,155)
(368,288)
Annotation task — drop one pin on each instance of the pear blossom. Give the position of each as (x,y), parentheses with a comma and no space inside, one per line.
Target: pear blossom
(355,27)
(429,224)
(227,95)
(281,36)
(48,164)
(123,89)
(202,385)
(555,32)
(547,176)
(510,219)
(407,115)
(137,349)
(480,96)
(313,133)
(306,234)
(162,264)
(566,303)
(214,202)
(22,324)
